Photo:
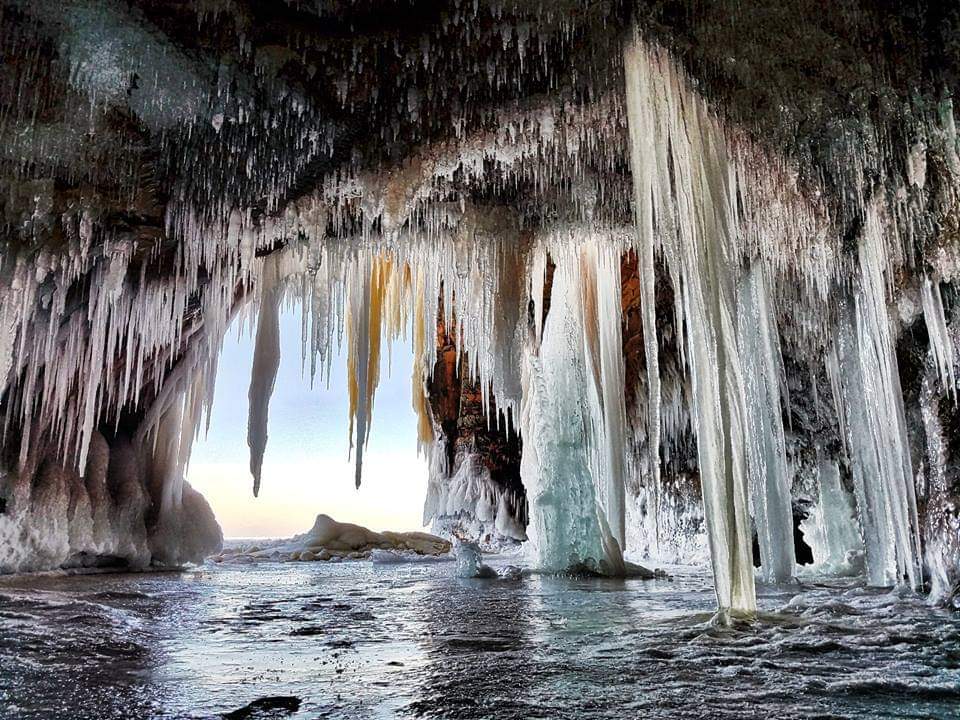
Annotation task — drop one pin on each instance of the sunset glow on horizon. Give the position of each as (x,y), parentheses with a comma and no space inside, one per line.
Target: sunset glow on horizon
(306,469)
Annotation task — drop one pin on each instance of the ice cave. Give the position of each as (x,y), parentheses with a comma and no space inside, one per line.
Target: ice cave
(680,280)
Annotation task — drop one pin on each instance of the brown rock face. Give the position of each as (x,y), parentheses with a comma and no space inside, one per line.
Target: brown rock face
(467,433)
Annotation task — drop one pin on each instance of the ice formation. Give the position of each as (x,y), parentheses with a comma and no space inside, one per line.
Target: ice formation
(766,447)
(266,363)
(572,462)
(470,561)
(831,529)
(660,302)
(469,504)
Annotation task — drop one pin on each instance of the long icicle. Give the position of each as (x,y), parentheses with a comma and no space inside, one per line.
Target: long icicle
(690,148)
(266,363)
(766,456)
(641,148)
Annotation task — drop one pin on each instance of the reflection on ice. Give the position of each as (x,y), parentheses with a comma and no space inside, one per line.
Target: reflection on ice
(413,640)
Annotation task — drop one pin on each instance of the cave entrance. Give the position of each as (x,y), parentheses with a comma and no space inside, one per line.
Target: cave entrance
(307,466)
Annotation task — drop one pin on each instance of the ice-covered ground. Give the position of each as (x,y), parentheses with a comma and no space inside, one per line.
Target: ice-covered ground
(365,640)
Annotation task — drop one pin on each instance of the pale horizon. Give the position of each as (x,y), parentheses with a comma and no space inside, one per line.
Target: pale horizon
(306,470)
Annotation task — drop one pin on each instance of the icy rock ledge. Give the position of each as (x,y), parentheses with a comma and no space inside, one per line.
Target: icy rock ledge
(329,540)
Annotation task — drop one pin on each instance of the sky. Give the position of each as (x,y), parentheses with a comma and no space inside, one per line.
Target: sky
(306,471)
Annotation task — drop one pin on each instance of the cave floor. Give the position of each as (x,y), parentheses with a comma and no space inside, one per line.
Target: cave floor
(366,641)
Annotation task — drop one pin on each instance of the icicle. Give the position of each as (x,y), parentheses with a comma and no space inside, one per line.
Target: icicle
(689,147)
(358,358)
(368,292)
(876,427)
(266,363)
(419,376)
(642,158)
(766,460)
(941,343)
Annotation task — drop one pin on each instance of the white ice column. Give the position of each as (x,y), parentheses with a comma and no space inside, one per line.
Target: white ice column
(642,159)
(876,431)
(766,458)
(680,161)
(568,526)
(603,351)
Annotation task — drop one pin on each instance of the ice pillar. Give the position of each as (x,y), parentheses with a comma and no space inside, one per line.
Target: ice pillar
(875,424)
(679,160)
(642,153)
(603,351)
(570,486)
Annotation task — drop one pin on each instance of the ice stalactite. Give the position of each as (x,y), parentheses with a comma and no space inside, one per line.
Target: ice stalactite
(687,172)
(425,436)
(876,433)
(266,363)
(569,526)
(373,296)
(358,362)
(766,456)
(641,144)
(941,342)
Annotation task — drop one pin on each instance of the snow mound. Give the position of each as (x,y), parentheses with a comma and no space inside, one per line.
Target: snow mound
(329,540)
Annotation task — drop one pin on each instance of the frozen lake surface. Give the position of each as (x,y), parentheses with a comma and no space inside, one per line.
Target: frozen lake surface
(366,641)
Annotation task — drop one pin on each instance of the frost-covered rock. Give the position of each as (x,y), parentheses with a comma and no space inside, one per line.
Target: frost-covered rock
(329,540)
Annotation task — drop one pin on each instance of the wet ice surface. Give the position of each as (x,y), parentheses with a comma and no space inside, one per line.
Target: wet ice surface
(356,640)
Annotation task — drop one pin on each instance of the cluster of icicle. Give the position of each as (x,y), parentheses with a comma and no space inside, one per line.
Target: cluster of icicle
(137,343)
(741,242)
(736,235)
